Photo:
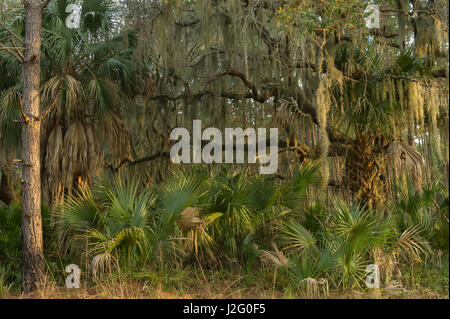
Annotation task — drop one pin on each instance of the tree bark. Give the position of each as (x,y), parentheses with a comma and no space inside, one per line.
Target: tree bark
(32,242)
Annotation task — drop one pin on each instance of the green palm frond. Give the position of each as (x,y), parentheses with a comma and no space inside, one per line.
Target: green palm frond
(409,64)
(314,264)
(360,228)
(103,94)
(9,116)
(183,189)
(262,192)
(354,268)
(292,193)
(80,212)
(308,174)
(295,237)
(124,204)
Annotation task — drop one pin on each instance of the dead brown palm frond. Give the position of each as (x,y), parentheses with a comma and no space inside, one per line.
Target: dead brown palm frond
(200,243)
(394,288)
(102,263)
(50,88)
(195,230)
(400,151)
(75,159)
(404,155)
(72,88)
(274,258)
(53,186)
(411,245)
(312,287)
(115,132)
(95,153)
(189,218)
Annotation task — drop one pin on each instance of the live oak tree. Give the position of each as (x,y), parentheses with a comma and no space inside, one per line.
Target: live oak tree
(335,87)
(359,99)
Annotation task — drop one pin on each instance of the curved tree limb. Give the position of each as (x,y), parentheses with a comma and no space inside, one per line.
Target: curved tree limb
(12,33)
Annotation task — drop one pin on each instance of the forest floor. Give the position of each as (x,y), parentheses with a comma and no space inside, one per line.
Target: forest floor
(184,284)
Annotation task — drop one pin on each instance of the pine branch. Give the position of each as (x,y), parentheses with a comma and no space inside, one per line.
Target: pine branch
(12,33)
(26,119)
(11,48)
(8,49)
(17,49)
(45,4)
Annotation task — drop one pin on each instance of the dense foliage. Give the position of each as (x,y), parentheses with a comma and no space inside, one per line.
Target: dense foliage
(363,127)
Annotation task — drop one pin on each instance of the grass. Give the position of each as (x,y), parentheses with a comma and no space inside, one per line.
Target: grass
(190,283)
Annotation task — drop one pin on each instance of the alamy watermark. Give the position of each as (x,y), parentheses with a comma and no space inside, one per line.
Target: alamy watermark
(255,142)
(373,276)
(74,10)
(73,279)
(373,18)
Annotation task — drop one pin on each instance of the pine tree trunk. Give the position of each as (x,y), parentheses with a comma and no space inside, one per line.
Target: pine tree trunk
(32,243)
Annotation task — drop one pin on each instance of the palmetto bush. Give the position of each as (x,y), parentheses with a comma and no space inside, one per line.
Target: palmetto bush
(178,235)
(193,216)
(256,206)
(364,236)
(337,248)
(219,219)
(113,220)
(426,208)
(356,231)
